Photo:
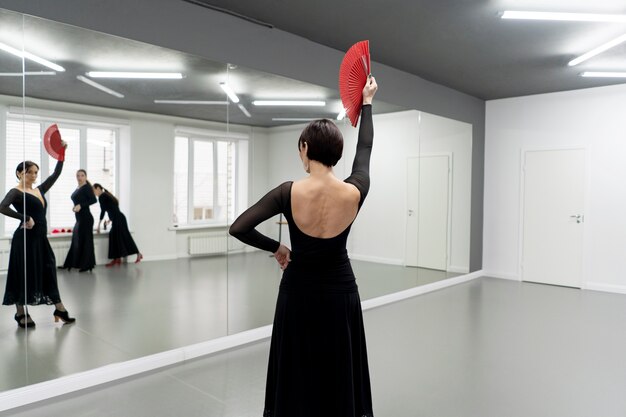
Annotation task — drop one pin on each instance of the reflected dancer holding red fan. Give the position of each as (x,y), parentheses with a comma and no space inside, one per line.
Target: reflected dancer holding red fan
(31,275)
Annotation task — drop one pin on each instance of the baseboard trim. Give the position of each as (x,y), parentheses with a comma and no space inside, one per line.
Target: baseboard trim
(64,385)
(599,286)
(501,275)
(366,258)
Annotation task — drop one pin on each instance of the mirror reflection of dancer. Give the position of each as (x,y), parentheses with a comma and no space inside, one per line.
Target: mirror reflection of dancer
(82,254)
(32,276)
(318,358)
(121,243)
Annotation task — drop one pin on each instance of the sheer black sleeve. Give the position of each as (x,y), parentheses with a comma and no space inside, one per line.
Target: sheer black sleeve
(270,205)
(105,204)
(15,197)
(49,182)
(360,176)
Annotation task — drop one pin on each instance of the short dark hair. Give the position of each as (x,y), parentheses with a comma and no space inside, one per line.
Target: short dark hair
(24,166)
(324,142)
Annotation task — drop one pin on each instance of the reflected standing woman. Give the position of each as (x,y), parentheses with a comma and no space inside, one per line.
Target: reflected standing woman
(318,358)
(82,253)
(121,243)
(31,276)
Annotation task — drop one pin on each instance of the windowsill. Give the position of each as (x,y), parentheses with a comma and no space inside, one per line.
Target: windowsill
(61,235)
(198,227)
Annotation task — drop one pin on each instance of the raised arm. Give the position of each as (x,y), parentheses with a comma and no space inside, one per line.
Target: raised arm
(47,184)
(15,197)
(360,176)
(244,228)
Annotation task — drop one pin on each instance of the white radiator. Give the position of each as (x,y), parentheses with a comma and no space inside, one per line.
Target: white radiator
(4,259)
(208,243)
(60,250)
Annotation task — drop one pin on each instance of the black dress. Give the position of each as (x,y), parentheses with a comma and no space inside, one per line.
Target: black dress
(82,254)
(121,243)
(40,285)
(318,357)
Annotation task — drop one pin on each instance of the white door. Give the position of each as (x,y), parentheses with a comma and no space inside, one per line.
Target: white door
(553,217)
(427,215)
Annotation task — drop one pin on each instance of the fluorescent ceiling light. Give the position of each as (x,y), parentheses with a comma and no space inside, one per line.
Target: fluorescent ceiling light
(293,119)
(288,103)
(32,57)
(341,114)
(147,75)
(19,74)
(99,86)
(244,110)
(229,92)
(571,17)
(199,102)
(598,50)
(603,74)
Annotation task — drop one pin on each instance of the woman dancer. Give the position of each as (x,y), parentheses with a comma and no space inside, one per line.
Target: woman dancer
(121,243)
(36,282)
(82,254)
(318,360)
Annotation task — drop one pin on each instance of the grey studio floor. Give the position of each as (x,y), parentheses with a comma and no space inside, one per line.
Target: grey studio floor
(486,348)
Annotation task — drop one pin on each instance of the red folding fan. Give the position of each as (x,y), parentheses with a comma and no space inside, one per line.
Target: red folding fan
(353,74)
(53,143)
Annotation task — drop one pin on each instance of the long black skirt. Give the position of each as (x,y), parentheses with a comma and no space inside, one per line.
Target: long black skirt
(318,356)
(82,253)
(121,243)
(32,275)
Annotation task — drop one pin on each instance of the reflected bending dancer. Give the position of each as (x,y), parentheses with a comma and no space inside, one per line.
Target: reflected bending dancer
(36,282)
(318,359)
(82,253)
(121,243)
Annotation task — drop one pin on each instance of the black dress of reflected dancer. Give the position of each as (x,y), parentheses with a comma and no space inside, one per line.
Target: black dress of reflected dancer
(31,275)
(81,254)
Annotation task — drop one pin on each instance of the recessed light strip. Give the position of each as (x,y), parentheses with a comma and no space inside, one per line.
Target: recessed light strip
(32,57)
(341,114)
(603,74)
(145,75)
(99,86)
(293,119)
(244,110)
(288,103)
(20,74)
(194,102)
(598,50)
(229,92)
(571,17)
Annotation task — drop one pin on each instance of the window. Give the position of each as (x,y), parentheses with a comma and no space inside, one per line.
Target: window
(89,148)
(205,179)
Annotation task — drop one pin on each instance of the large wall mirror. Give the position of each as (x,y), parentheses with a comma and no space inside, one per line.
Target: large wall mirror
(184,159)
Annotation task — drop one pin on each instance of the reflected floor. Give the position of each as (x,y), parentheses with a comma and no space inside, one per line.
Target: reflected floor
(485,348)
(135,310)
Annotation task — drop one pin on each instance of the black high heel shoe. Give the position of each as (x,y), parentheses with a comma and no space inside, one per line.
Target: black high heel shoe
(18,319)
(69,268)
(63,315)
(85,270)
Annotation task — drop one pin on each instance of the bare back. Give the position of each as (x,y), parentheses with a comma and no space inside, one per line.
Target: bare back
(323,207)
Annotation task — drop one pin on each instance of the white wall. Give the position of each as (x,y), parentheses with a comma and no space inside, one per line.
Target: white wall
(591,118)
(383,216)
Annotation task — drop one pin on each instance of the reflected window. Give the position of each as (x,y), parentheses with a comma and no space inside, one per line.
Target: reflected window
(205,180)
(89,148)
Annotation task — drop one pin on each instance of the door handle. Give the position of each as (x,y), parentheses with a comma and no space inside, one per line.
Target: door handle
(578,217)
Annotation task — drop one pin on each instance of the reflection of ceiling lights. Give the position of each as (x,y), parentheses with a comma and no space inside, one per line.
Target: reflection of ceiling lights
(32,57)
(572,17)
(341,114)
(244,110)
(598,50)
(603,74)
(198,102)
(144,75)
(99,86)
(20,74)
(229,92)
(293,119)
(288,103)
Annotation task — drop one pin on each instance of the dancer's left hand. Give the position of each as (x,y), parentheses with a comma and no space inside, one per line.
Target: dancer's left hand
(283,256)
